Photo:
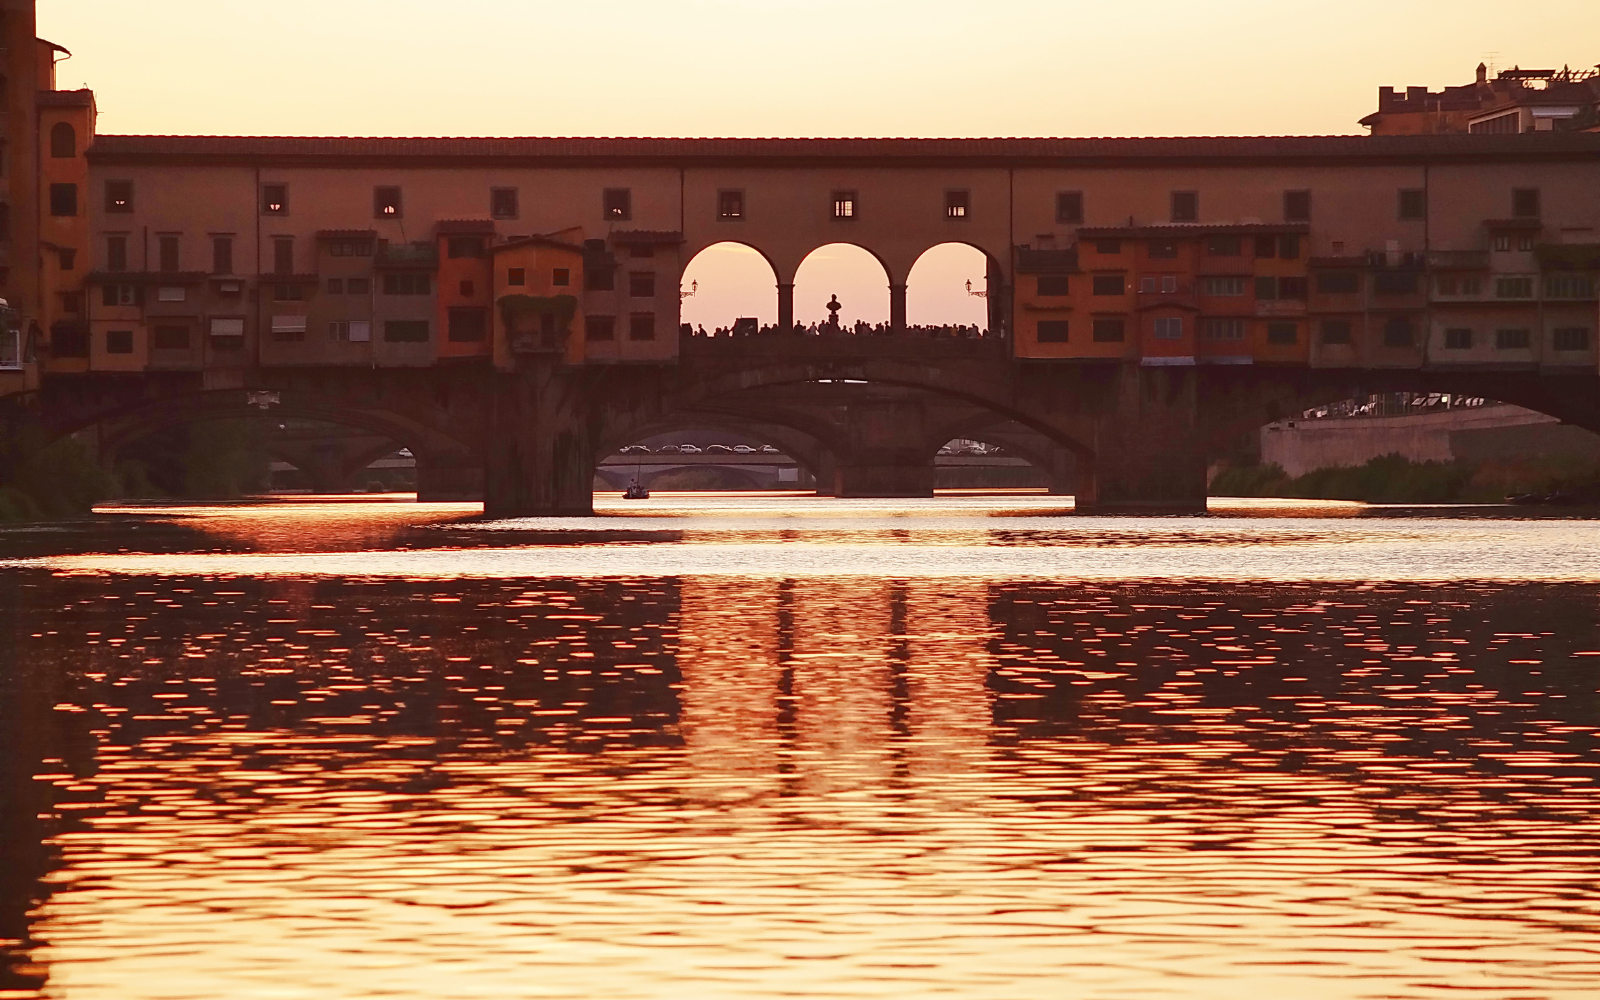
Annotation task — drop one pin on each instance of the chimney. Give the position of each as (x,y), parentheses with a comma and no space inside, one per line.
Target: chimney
(1385,97)
(1418,94)
(1483,73)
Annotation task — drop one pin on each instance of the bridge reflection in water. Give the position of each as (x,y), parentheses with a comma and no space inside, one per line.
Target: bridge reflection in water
(444,787)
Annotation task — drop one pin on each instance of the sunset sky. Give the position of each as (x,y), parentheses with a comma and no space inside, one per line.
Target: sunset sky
(787,67)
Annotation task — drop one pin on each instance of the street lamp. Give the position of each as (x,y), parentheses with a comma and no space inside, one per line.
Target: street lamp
(694,286)
(982,295)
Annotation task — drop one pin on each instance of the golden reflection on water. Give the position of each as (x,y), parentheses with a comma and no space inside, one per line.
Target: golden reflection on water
(853,786)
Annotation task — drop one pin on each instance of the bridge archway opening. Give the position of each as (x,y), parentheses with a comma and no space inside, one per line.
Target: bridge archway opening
(727,282)
(851,273)
(706,455)
(972,463)
(951,288)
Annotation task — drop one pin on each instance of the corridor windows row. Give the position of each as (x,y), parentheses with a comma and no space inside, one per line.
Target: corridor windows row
(1103,330)
(641,326)
(1568,338)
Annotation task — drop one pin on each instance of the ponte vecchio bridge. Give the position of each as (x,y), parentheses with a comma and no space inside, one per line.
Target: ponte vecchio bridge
(509,308)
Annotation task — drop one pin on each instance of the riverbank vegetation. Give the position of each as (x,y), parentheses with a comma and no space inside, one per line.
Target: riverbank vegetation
(1393,479)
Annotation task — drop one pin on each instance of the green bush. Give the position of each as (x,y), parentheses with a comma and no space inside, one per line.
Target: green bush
(1393,479)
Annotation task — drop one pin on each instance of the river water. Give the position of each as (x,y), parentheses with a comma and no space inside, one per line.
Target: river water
(718,747)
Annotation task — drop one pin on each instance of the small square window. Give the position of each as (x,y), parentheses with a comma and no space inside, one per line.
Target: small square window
(1109,331)
(119,196)
(517,276)
(957,204)
(68,259)
(1413,203)
(274,199)
(1336,331)
(1185,206)
(1069,207)
(1502,242)
(1525,203)
(1297,206)
(1053,284)
(642,326)
(561,276)
(1053,331)
(119,341)
(503,203)
(1458,339)
(730,204)
(386,202)
(617,204)
(844,204)
(1571,338)
(642,284)
(335,286)
(1109,284)
(599,328)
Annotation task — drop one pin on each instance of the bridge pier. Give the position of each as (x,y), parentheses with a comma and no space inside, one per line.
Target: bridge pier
(1149,449)
(897,309)
(884,451)
(540,457)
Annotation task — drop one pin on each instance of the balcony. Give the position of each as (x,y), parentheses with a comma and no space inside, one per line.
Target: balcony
(1152,295)
(1280,307)
(409,256)
(1458,260)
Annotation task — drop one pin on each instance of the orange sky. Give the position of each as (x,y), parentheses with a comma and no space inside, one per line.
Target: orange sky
(784,67)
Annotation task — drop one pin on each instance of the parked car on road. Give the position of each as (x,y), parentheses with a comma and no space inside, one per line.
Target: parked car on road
(688,449)
(720,449)
(636,449)
(768,449)
(743,449)
(667,449)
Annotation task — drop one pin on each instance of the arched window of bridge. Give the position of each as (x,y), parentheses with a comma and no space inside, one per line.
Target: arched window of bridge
(728,282)
(948,288)
(851,274)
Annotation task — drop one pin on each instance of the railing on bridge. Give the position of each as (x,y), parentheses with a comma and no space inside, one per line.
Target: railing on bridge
(1395,404)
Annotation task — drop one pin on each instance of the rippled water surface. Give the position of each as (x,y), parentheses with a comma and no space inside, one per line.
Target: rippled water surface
(732,747)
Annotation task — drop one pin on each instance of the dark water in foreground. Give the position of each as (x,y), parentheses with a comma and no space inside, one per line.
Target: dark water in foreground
(740,748)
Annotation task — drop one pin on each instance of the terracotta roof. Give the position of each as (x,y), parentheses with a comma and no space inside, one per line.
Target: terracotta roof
(465,227)
(523,241)
(291,149)
(626,237)
(1184,231)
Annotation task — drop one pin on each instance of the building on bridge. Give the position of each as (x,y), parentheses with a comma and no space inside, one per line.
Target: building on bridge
(1515,100)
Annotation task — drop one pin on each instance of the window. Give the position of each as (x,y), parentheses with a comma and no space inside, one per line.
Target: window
(1266,288)
(1513,288)
(1413,203)
(1525,203)
(1525,243)
(119,196)
(287,293)
(69,341)
(1229,285)
(957,204)
(642,326)
(1297,206)
(283,255)
(1291,288)
(1107,246)
(288,329)
(516,276)
(1266,246)
(1447,284)
(468,325)
(1335,331)
(1568,286)
(406,283)
(617,204)
(72,302)
(116,253)
(119,341)
(405,331)
(1053,284)
(1224,329)
(1052,331)
(1168,328)
(642,284)
(1163,249)
(1069,206)
(63,141)
(63,200)
(1109,284)
(1185,206)
(222,255)
(357,286)
(274,199)
(352,331)
(227,334)
(172,293)
(1397,332)
(1512,340)
(68,259)
(599,276)
(170,338)
(1395,282)
(1108,331)
(599,328)
(1223,246)
(561,276)
(335,286)
(350,248)
(1502,242)
(1282,334)
(386,204)
(503,203)
(1571,338)
(466,289)
(167,252)
(1338,282)
(844,204)
(458,247)
(120,295)
(730,204)
(1471,285)
(1289,247)
(1458,338)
